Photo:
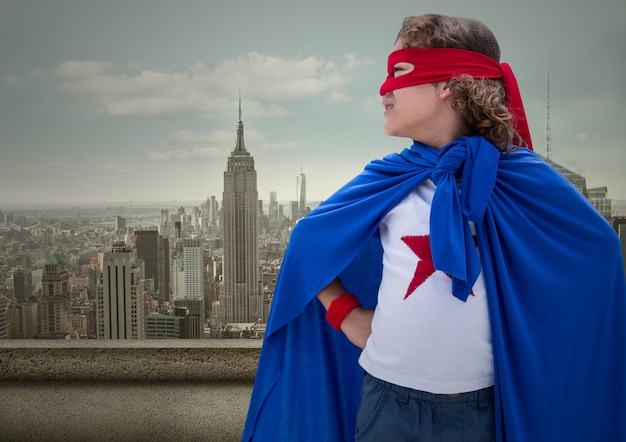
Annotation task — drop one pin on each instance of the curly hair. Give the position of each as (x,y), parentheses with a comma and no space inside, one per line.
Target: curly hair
(481,102)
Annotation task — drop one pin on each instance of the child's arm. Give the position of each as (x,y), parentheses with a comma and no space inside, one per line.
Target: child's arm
(357,324)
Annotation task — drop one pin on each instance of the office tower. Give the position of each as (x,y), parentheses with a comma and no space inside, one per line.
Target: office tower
(22,284)
(193,268)
(619,224)
(94,275)
(22,319)
(120,224)
(178,278)
(192,326)
(54,305)
(294,212)
(194,219)
(273,209)
(120,310)
(596,195)
(16,323)
(301,183)
(241,299)
(213,209)
(163,326)
(164,224)
(3,318)
(153,249)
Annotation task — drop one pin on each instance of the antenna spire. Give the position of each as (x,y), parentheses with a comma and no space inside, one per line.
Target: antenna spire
(240,104)
(548,122)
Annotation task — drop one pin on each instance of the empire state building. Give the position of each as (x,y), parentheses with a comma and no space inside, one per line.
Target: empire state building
(241,299)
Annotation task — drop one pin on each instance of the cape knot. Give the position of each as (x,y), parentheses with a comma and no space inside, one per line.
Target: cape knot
(449,162)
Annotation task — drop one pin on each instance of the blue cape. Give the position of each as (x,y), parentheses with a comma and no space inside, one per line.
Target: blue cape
(555,285)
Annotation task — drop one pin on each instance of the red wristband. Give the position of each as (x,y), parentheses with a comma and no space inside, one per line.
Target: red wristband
(339,309)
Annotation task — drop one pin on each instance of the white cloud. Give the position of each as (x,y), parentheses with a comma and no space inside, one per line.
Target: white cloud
(218,144)
(10,79)
(272,147)
(337,97)
(200,92)
(74,69)
(170,155)
(352,61)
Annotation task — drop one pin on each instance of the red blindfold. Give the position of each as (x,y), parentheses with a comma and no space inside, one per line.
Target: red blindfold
(432,65)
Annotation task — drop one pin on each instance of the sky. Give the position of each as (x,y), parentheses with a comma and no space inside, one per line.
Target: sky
(138,100)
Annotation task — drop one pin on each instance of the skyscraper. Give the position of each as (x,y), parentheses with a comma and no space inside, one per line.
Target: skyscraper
(301,181)
(22,284)
(241,299)
(120,311)
(193,268)
(154,250)
(54,318)
(273,208)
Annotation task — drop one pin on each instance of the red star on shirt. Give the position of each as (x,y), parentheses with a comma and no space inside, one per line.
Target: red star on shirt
(420,245)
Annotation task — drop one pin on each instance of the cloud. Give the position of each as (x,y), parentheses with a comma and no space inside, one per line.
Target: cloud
(114,166)
(273,147)
(218,144)
(76,69)
(58,164)
(186,154)
(352,61)
(194,145)
(583,137)
(337,97)
(269,83)
(10,80)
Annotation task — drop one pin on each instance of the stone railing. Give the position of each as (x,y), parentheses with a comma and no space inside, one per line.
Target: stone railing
(126,390)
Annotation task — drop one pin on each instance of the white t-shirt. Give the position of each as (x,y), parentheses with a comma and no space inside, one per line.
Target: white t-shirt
(423,337)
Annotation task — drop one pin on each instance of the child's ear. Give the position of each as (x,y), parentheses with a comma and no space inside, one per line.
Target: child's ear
(443,90)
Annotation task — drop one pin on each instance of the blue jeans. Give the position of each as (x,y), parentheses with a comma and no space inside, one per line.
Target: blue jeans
(398,414)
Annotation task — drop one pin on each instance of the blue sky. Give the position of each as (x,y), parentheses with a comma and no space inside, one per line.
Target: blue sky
(137,100)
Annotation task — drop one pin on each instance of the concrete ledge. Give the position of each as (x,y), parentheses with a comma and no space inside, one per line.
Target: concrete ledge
(143,361)
(191,390)
(126,411)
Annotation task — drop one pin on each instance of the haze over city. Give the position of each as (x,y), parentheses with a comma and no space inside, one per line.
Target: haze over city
(138,101)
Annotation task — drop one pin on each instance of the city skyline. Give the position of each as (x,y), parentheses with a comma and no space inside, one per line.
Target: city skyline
(137,101)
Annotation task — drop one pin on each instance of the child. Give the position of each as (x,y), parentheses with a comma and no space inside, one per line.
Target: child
(486,293)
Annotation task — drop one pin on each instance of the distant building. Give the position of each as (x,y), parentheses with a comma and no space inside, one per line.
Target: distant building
(599,198)
(301,185)
(154,250)
(120,310)
(120,224)
(162,326)
(597,195)
(94,274)
(619,224)
(178,278)
(54,305)
(192,325)
(213,211)
(193,268)
(241,299)
(23,284)
(3,318)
